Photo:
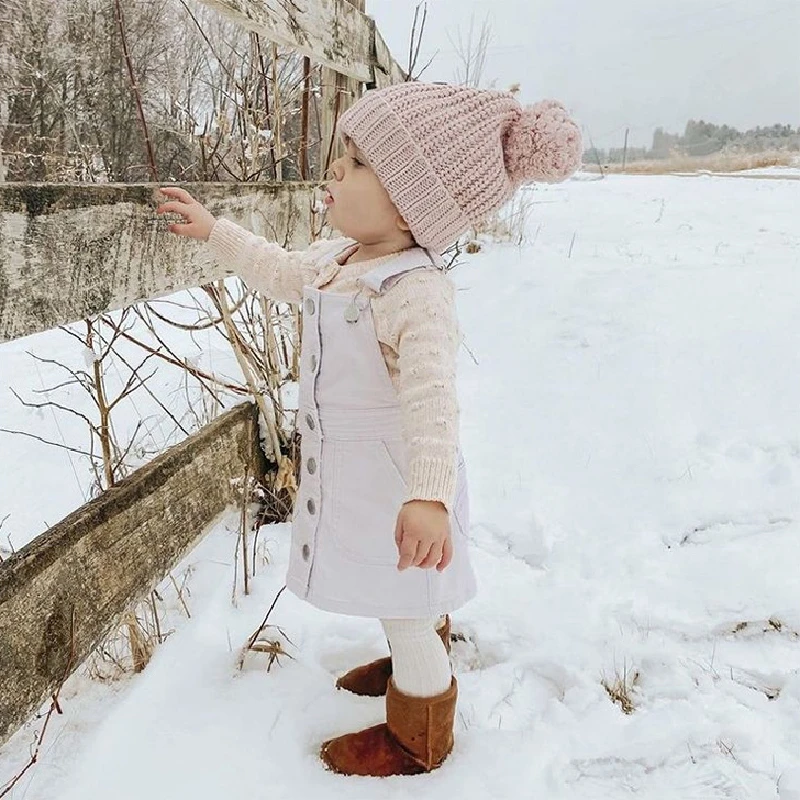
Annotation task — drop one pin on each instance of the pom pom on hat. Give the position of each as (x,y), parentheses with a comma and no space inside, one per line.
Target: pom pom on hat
(541,143)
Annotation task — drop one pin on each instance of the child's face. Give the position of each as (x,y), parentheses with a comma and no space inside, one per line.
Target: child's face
(358,205)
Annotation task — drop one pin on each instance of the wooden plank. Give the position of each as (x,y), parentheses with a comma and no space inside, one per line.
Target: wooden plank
(333,33)
(340,92)
(70,251)
(91,566)
(387,70)
(329,149)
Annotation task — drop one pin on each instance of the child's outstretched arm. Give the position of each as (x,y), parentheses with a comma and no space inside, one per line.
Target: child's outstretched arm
(266,266)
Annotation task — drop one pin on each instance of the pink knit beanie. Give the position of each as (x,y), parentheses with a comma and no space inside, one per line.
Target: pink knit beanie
(450,155)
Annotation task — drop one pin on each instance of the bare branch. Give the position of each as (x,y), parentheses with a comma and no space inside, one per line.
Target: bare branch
(197,373)
(121,459)
(45,441)
(153,397)
(75,373)
(55,405)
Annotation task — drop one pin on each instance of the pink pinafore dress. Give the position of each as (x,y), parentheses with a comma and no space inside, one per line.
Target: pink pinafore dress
(343,554)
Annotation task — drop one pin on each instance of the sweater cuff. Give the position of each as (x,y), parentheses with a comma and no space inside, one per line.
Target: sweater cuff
(432,479)
(226,241)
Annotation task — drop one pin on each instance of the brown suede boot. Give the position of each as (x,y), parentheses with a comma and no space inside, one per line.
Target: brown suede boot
(416,737)
(370,680)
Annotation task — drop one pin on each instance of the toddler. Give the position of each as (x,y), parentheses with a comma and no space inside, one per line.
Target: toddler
(381,517)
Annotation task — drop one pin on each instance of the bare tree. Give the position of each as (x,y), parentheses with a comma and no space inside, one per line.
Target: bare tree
(471,51)
(206,87)
(415,42)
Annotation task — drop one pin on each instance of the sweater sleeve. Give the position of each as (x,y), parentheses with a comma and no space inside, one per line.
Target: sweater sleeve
(276,272)
(420,317)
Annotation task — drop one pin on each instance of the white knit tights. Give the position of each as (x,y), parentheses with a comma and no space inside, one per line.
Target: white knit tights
(420,663)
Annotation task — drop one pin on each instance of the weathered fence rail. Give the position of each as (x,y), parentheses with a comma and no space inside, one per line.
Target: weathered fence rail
(70,251)
(334,33)
(60,593)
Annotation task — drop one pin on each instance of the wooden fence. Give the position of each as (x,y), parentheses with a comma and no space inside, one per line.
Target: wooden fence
(69,251)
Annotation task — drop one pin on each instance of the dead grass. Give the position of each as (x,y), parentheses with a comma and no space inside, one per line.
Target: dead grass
(127,648)
(621,689)
(718,162)
(129,645)
(259,642)
(508,224)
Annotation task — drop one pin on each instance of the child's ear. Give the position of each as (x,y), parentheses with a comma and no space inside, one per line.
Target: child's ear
(402,224)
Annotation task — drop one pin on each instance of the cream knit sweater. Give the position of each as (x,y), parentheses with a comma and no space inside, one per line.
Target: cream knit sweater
(416,326)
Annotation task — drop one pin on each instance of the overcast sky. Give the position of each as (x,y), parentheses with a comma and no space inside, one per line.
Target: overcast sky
(618,63)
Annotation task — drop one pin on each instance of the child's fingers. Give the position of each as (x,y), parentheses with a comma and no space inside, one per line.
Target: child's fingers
(423,554)
(433,557)
(447,554)
(181,230)
(408,552)
(176,208)
(170,205)
(176,191)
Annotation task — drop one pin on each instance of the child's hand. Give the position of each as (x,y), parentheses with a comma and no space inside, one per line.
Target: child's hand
(422,535)
(199,219)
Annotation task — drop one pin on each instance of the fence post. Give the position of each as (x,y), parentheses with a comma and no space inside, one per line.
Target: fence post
(338,93)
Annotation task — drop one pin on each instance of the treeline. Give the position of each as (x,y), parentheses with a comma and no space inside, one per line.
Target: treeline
(702,138)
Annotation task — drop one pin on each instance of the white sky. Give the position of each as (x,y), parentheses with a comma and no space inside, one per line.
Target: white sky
(624,62)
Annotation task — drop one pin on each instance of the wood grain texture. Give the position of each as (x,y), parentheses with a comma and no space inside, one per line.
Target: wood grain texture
(334,33)
(108,553)
(70,251)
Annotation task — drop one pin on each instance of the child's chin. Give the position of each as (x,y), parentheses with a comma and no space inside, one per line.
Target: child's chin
(343,229)
(330,219)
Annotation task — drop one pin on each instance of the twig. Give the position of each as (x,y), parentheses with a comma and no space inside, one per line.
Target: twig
(54,444)
(55,405)
(251,641)
(415,43)
(199,374)
(134,86)
(244,527)
(179,592)
(153,397)
(153,596)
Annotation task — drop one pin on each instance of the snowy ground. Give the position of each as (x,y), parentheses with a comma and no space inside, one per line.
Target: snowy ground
(631,428)
(777,172)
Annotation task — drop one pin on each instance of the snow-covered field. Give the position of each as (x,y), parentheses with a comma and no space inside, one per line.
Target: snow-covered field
(792,172)
(632,428)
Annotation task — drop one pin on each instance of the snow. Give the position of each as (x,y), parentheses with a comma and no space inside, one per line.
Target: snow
(792,172)
(631,430)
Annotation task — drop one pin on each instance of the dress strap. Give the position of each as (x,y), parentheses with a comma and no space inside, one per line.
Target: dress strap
(387,273)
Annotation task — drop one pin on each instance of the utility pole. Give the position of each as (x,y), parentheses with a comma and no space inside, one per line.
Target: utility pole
(625,150)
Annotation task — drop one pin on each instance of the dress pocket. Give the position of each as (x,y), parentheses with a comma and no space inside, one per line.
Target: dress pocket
(395,450)
(368,491)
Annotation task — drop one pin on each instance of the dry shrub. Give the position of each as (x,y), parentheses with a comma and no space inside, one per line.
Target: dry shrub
(621,689)
(140,641)
(261,642)
(129,645)
(507,224)
(126,649)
